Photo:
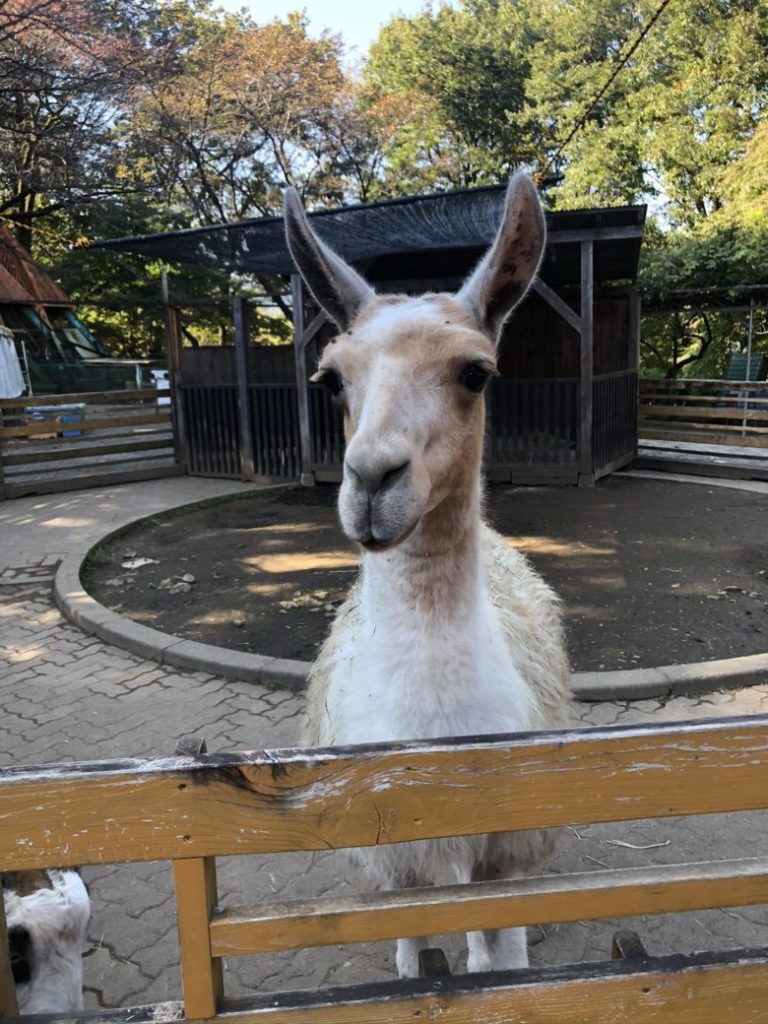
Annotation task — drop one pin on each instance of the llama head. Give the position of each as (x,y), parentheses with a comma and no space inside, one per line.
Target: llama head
(410,372)
(47,913)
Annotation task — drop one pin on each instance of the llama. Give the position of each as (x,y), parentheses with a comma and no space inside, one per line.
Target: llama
(448,631)
(47,913)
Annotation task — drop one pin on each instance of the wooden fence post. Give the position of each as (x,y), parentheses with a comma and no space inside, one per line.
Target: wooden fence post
(172,337)
(587,369)
(242,343)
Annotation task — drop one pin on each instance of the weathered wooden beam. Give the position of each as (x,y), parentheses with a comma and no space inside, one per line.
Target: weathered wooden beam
(240,314)
(302,389)
(168,808)
(552,299)
(172,338)
(586,462)
(88,398)
(549,899)
(594,234)
(201,975)
(106,423)
(702,988)
(313,328)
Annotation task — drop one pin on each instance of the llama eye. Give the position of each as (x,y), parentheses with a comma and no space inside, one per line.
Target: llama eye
(332,382)
(474,377)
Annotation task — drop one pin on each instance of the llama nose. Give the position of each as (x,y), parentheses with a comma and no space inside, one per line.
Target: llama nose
(376,475)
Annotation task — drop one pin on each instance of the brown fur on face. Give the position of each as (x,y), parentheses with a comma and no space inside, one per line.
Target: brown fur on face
(23,883)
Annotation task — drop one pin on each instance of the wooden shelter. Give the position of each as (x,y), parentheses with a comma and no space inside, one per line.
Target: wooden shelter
(564,408)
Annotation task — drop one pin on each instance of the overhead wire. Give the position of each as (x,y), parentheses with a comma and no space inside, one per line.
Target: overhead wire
(582,120)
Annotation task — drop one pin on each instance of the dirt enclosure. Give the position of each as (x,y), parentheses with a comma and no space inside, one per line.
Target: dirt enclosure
(650,572)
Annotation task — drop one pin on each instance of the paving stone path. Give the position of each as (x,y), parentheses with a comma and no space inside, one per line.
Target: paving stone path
(66,695)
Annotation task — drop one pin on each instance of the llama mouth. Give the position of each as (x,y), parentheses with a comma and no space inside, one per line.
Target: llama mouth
(376,544)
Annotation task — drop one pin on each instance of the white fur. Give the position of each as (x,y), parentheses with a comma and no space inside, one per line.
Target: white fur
(448,631)
(57,921)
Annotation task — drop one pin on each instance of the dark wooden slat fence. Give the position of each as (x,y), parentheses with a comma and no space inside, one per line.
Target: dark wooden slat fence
(533,428)
(614,427)
(533,422)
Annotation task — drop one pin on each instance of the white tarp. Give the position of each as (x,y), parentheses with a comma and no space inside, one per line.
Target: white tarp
(11,378)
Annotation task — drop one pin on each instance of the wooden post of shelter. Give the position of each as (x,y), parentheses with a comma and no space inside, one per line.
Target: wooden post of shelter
(587,368)
(242,363)
(633,349)
(172,337)
(302,392)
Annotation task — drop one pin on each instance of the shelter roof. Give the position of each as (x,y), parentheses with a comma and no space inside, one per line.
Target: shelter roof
(22,281)
(417,238)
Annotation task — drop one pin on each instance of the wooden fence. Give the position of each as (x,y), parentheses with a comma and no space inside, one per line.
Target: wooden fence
(60,442)
(710,411)
(301,800)
(533,429)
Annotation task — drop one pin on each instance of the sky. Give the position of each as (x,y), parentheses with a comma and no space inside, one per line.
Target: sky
(358,21)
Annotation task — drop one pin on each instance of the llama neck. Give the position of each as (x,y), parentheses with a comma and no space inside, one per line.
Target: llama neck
(437,573)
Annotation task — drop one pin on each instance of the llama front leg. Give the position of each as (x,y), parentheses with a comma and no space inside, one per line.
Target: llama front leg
(497,949)
(407,958)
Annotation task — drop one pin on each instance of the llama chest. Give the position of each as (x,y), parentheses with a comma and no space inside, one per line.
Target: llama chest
(411,681)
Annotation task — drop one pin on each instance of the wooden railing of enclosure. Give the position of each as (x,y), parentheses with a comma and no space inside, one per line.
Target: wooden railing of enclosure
(55,442)
(193,809)
(533,429)
(712,411)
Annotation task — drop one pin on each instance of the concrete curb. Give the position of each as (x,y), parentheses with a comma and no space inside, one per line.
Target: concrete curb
(627,684)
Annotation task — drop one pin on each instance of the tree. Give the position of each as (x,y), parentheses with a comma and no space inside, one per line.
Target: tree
(245,114)
(457,75)
(65,71)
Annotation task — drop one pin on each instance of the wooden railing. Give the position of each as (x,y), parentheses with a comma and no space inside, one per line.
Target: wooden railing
(300,800)
(715,411)
(49,441)
(614,413)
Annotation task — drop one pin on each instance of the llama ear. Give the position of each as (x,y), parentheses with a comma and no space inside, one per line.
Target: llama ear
(339,289)
(505,273)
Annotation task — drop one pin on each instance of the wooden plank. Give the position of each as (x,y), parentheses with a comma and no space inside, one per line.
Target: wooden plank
(704,385)
(704,988)
(686,413)
(721,429)
(196,896)
(703,448)
(87,451)
(8,1004)
(587,346)
(694,435)
(550,899)
(32,429)
(741,468)
(81,482)
(607,234)
(106,463)
(690,400)
(87,397)
(134,810)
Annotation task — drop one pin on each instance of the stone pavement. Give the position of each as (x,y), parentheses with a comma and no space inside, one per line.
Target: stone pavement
(67,695)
